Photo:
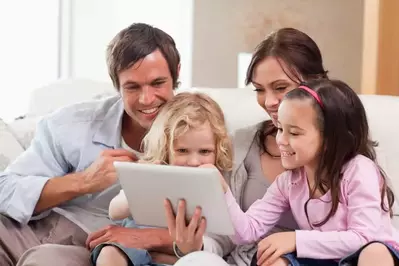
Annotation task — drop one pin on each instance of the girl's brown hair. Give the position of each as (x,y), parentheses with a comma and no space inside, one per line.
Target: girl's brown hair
(344,128)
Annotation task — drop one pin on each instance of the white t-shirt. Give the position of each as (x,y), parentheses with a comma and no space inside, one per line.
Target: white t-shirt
(127,147)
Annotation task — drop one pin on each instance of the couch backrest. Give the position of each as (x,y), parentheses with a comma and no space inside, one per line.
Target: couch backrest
(382,114)
(239,106)
(241,109)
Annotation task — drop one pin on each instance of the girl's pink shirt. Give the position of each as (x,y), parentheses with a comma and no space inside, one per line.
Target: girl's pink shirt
(359,218)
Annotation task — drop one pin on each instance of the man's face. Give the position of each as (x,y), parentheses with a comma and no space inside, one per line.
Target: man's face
(145,87)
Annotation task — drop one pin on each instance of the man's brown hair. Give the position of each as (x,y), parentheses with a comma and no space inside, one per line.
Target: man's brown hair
(136,42)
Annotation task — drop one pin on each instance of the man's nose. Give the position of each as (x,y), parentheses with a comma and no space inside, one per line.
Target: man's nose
(147,95)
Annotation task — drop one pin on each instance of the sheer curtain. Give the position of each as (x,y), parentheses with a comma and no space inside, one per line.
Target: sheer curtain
(28,52)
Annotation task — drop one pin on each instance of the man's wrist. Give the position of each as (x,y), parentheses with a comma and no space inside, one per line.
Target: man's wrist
(81,187)
(73,184)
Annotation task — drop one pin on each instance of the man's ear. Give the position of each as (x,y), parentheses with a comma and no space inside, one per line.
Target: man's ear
(178,70)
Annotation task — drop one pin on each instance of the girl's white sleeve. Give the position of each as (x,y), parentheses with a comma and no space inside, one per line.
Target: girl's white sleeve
(218,244)
(118,207)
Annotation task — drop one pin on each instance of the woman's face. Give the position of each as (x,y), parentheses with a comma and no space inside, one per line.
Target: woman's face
(271,84)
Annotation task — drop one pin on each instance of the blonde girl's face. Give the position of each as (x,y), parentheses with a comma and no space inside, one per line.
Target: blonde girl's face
(195,147)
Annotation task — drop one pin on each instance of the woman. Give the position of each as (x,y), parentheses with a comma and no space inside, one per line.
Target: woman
(280,63)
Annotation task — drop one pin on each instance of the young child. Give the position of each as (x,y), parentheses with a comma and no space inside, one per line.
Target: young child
(333,185)
(189,131)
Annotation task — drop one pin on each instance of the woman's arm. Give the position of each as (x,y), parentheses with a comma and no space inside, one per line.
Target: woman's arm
(118,207)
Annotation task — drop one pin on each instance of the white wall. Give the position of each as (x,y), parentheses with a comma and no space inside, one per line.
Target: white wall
(28,52)
(96,22)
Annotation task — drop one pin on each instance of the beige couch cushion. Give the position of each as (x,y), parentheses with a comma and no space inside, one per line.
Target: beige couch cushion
(382,114)
(10,148)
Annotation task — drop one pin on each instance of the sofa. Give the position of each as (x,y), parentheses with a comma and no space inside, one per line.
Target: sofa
(239,105)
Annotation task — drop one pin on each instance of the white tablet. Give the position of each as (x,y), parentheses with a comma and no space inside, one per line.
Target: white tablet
(147,185)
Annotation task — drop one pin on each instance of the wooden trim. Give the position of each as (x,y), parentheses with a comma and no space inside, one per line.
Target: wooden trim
(370,46)
(388,48)
(380,62)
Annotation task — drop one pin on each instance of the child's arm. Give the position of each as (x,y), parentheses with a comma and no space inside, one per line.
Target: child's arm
(118,207)
(263,214)
(361,186)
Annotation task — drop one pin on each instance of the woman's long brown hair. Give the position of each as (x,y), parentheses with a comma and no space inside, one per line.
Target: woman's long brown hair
(301,58)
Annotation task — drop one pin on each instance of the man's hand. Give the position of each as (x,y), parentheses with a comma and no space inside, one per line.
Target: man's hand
(129,237)
(101,173)
(151,239)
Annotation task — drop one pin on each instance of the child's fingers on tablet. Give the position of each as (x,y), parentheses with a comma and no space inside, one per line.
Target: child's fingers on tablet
(181,221)
(194,223)
(170,218)
(201,229)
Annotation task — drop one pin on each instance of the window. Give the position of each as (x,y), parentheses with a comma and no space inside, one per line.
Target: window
(28,52)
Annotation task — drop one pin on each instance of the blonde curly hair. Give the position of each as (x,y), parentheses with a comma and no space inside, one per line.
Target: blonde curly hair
(185,111)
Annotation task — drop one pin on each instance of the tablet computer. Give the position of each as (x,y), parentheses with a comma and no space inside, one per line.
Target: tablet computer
(146,186)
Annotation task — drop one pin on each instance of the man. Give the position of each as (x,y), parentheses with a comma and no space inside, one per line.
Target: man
(59,190)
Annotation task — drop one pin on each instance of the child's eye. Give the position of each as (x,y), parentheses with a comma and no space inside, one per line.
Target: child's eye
(280,88)
(181,150)
(294,134)
(259,90)
(205,151)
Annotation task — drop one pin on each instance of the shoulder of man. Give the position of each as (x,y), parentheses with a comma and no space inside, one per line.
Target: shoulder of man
(83,112)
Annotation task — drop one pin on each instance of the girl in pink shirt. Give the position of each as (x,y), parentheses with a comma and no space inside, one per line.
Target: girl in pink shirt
(334,187)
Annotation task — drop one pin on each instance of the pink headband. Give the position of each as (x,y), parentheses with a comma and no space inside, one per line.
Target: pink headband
(313,93)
